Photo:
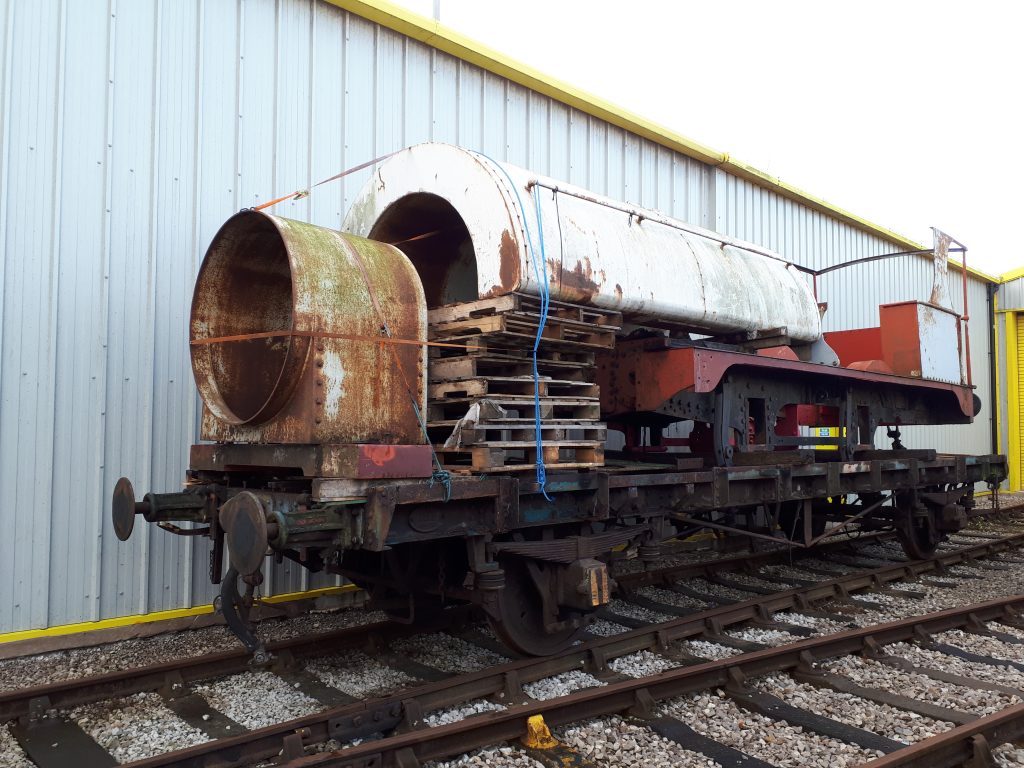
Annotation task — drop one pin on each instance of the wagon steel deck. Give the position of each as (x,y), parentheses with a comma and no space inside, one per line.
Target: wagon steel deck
(401,511)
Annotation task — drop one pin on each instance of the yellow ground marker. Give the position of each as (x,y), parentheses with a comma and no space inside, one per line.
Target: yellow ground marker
(538,735)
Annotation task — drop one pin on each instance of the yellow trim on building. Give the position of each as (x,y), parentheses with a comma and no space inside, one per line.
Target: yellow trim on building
(995,371)
(1012,401)
(146,618)
(1014,274)
(447,40)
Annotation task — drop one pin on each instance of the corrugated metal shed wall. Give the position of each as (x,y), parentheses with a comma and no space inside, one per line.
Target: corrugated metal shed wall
(131,130)
(1011,294)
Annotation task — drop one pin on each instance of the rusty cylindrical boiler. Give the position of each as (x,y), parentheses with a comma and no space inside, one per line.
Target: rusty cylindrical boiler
(286,329)
(481,228)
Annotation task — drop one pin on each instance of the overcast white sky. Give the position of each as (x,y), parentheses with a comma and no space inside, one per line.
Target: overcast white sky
(906,113)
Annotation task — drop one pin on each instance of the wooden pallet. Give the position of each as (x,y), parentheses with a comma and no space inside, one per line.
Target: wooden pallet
(486,365)
(516,335)
(520,329)
(573,408)
(523,303)
(524,431)
(518,348)
(487,354)
(484,459)
(491,386)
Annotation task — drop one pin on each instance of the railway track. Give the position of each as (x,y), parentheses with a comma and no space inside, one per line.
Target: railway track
(287,652)
(23,701)
(344,719)
(640,698)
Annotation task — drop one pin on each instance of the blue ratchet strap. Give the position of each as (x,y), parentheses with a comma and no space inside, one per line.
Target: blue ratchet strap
(545,301)
(541,276)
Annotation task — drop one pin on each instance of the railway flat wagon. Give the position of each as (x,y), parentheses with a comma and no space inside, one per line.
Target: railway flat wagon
(493,384)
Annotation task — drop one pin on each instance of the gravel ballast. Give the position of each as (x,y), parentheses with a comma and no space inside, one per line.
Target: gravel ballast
(668,597)
(136,727)
(882,719)
(560,685)
(751,581)
(11,752)
(638,612)
(1008,756)
(871,674)
(791,572)
(495,757)
(461,712)
(717,590)
(776,742)
(705,650)
(987,646)
(257,699)
(615,743)
(768,637)
(447,653)
(605,628)
(820,625)
(929,659)
(358,675)
(641,664)
(40,669)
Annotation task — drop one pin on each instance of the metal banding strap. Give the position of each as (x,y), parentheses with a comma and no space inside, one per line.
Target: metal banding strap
(326,335)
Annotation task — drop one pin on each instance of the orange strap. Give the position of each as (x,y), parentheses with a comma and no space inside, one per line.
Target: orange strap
(301,193)
(292,195)
(424,236)
(325,335)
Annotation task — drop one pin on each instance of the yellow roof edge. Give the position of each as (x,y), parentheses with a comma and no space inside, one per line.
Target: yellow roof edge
(1013,274)
(449,41)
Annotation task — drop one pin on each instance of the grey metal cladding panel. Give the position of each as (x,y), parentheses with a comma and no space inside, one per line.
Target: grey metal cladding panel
(30,246)
(175,165)
(1011,294)
(79,300)
(158,121)
(445,85)
(326,117)
(131,412)
(217,195)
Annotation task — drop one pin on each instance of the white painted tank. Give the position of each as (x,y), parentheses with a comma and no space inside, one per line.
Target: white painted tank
(476,228)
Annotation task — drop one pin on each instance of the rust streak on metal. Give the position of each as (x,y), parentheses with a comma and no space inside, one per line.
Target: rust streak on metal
(509,267)
(576,284)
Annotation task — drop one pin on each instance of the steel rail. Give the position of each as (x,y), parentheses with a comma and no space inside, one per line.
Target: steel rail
(402,710)
(638,696)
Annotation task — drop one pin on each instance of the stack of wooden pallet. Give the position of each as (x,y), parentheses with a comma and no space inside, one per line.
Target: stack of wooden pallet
(481,412)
